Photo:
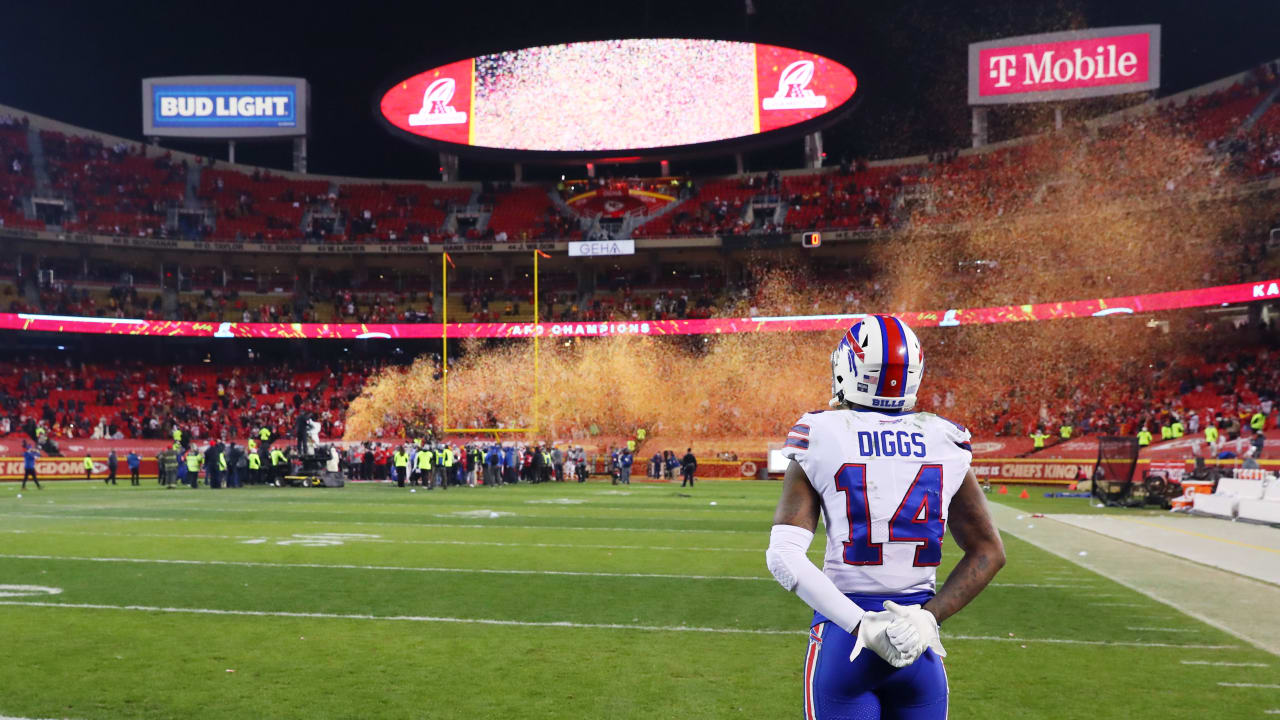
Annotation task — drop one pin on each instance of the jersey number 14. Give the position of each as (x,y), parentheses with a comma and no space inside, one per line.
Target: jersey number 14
(918,518)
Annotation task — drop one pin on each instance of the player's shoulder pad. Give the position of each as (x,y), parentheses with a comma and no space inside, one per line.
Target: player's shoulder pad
(953,431)
(798,435)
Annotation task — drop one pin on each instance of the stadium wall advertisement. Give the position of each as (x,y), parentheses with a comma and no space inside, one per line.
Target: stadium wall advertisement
(626,96)
(1104,307)
(1065,65)
(224,106)
(72,468)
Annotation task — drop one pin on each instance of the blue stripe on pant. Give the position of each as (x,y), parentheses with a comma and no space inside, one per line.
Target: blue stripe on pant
(869,688)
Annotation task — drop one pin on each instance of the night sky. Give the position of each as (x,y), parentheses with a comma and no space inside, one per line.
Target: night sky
(82,62)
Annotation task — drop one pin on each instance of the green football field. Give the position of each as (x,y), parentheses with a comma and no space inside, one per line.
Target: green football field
(550,601)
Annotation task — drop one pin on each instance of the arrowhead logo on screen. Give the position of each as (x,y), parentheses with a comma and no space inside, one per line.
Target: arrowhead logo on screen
(436,109)
(793,89)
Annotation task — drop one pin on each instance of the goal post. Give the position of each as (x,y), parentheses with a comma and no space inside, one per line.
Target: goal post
(445,263)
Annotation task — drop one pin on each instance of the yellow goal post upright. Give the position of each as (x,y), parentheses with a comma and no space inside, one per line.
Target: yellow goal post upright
(444,364)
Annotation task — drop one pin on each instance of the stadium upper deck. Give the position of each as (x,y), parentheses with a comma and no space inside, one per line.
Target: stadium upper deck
(70,180)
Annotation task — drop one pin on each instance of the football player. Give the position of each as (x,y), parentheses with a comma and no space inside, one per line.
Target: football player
(887,481)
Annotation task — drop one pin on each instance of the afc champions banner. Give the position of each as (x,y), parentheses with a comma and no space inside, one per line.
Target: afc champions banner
(616,95)
(1097,308)
(1065,65)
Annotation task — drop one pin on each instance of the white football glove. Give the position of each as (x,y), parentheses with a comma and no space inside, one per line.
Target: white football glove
(925,624)
(894,639)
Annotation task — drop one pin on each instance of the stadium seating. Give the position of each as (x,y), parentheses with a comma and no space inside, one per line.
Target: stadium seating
(522,213)
(392,213)
(137,401)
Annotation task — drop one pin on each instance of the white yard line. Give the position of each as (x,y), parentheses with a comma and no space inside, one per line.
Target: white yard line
(387,541)
(1264,686)
(331,523)
(1156,629)
(1033,585)
(1223,663)
(393,568)
(339,566)
(415,505)
(567,624)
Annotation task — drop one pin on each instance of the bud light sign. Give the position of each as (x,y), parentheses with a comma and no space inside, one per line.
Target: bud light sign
(224,106)
(1065,66)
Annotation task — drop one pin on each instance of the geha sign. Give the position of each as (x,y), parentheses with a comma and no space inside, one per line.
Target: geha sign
(1065,65)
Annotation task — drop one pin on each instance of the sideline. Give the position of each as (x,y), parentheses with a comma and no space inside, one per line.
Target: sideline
(1241,548)
(1200,590)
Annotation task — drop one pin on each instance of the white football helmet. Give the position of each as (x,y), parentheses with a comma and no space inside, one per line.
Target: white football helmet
(878,364)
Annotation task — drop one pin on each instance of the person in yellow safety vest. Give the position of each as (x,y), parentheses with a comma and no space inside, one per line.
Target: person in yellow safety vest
(255,467)
(88,467)
(264,434)
(448,467)
(1211,437)
(631,446)
(1038,437)
(1065,431)
(546,469)
(222,466)
(422,467)
(399,465)
(1258,421)
(1176,429)
(177,436)
(252,445)
(278,462)
(1144,437)
(194,460)
(423,460)
(437,469)
(1166,432)
(641,434)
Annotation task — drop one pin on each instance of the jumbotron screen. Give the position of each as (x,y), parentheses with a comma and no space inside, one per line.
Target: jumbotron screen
(617,95)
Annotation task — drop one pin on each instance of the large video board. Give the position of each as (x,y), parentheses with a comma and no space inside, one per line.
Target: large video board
(224,106)
(621,96)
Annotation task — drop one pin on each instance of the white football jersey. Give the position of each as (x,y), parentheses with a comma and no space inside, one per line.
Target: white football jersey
(886,482)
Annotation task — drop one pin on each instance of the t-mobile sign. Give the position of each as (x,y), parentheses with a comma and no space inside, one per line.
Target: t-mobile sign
(1065,65)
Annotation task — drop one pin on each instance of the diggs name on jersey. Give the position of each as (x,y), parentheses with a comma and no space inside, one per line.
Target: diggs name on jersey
(891,443)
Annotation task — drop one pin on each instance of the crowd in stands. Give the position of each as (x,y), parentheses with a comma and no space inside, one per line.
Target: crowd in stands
(1231,376)
(139,400)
